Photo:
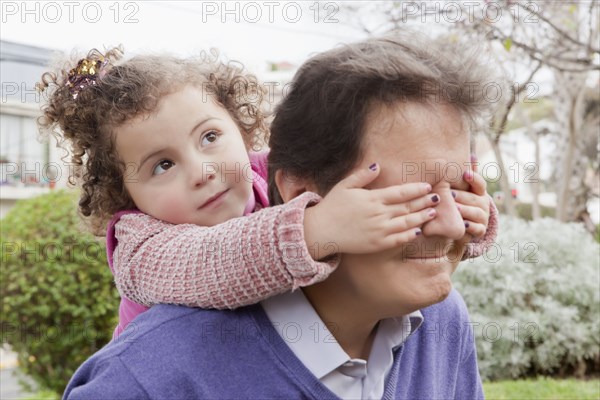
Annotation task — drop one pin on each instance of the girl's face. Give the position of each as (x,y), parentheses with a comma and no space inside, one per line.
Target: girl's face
(186,162)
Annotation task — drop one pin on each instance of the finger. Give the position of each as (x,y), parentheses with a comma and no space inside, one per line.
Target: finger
(402,193)
(411,221)
(361,177)
(476,181)
(470,199)
(474,229)
(412,206)
(474,214)
(474,162)
(398,239)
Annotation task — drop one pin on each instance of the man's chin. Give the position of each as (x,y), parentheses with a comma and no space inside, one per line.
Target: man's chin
(434,293)
(428,295)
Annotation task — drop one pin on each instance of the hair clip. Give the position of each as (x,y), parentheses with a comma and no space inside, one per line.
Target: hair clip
(87,72)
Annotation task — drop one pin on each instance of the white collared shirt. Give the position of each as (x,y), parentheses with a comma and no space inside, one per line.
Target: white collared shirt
(299,325)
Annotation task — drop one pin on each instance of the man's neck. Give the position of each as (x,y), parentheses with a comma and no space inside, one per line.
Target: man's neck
(355,330)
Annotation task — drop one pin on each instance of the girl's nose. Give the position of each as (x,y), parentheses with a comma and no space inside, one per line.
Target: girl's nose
(448,221)
(202,172)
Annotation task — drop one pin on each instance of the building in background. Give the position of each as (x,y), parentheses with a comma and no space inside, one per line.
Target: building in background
(28,165)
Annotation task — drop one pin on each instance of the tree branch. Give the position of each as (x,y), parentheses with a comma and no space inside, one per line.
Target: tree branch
(560,31)
(542,57)
(503,121)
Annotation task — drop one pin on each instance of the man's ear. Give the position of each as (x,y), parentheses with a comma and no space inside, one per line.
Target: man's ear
(290,187)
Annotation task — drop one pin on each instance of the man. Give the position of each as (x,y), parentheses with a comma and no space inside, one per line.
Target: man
(383,325)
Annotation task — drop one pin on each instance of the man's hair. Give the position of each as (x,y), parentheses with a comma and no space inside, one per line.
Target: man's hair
(318,129)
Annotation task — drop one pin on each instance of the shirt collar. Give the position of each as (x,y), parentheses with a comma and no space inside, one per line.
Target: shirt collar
(299,325)
(304,332)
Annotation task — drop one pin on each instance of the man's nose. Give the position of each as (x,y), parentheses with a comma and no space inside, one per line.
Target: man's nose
(448,221)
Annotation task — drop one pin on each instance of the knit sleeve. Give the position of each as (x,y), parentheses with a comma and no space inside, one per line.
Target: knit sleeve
(237,263)
(109,379)
(468,380)
(478,247)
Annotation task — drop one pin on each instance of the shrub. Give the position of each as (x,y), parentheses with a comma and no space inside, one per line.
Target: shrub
(59,303)
(525,211)
(534,300)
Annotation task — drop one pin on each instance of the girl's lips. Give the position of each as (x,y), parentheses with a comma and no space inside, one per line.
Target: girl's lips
(215,200)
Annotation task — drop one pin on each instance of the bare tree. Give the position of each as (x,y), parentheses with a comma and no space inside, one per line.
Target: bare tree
(562,37)
(558,36)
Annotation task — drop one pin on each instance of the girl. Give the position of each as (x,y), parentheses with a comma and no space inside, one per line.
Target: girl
(162,149)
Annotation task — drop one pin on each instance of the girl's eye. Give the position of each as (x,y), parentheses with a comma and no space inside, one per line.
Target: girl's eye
(210,138)
(162,167)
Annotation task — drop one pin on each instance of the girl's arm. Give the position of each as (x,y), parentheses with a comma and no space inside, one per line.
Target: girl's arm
(239,262)
(245,260)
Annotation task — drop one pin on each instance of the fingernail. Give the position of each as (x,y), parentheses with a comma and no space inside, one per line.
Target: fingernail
(373,167)
(468,175)
(431,212)
(473,157)
(466,224)
(453,194)
(418,232)
(435,198)
(428,187)
(458,207)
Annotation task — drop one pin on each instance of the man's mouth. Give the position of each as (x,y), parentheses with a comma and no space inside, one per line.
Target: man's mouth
(428,257)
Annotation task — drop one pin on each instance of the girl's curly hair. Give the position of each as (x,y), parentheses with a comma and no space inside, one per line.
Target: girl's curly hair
(83,122)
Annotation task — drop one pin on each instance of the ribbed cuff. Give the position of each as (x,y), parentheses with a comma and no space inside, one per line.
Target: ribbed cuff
(302,267)
(478,247)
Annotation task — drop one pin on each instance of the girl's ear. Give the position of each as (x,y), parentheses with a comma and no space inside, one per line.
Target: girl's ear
(290,187)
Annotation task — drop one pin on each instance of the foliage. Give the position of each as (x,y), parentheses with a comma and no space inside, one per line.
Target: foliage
(525,211)
(44,395)
(59,304)
(534,300)
(536,110)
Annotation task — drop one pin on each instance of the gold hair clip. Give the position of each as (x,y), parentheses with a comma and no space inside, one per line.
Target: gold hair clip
(87,72)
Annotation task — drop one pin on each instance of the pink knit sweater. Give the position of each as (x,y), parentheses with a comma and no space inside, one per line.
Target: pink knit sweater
(239,262)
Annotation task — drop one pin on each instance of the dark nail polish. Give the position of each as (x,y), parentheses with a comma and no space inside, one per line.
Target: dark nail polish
(466,224)
(373,167)
(418,232)
(453,194)
(435,198)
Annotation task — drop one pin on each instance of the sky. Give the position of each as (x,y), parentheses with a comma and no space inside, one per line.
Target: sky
(254,33)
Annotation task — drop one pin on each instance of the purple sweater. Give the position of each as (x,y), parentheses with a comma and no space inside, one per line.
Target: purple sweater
(175,352)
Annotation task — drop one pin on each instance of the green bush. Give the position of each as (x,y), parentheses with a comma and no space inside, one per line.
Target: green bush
(525,211)
(59,303)
(534,300)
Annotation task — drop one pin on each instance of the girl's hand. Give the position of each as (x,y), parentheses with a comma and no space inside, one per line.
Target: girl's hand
(351,219)
(474,205)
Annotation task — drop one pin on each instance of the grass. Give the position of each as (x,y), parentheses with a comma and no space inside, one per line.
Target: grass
(543,389)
